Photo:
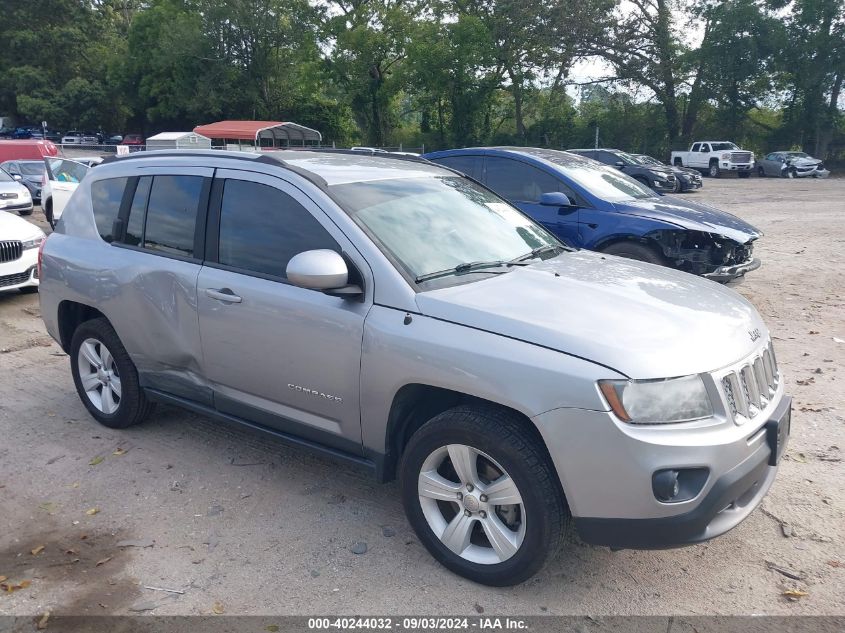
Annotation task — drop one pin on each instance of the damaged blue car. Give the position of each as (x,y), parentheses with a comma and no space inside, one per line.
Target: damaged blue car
(594,206)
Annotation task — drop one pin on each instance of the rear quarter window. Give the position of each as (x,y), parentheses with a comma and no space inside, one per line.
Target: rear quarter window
(106,196)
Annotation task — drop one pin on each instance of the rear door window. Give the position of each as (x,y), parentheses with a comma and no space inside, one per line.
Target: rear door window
(138,212)
(172,214)
(469,165)
(106,196)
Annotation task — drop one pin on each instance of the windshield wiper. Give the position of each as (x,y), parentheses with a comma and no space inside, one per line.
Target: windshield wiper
(466,267)
(540,250)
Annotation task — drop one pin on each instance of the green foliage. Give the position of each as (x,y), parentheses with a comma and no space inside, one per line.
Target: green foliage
(440,73)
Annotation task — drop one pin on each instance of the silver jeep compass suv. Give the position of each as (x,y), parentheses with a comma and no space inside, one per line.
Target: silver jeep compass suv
(397,314)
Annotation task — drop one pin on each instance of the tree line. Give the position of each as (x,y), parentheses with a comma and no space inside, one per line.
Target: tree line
(440,73)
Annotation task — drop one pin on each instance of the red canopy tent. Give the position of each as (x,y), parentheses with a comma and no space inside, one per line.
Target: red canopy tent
(261,133)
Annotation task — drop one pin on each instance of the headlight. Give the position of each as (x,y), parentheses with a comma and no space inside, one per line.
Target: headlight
(725,156)
(663,401)
(33,243)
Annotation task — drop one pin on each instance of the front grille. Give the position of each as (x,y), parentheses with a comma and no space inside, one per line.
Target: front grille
(750,388)
(14,280)
(10,250)
(741,157)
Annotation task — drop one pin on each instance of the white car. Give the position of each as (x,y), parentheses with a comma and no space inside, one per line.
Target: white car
(19,243)
(14,196)
(72,138)
(62,177)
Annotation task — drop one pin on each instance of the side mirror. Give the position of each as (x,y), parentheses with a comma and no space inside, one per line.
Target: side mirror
(620,164)
(321,269)
(556,199)
(17,177)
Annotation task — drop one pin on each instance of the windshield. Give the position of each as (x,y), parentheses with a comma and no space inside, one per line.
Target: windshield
(432,224)
(32,169)
(642,159)
(605,182)
(5,177)
(719,147)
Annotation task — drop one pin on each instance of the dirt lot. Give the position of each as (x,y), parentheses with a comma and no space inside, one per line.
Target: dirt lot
(252,526)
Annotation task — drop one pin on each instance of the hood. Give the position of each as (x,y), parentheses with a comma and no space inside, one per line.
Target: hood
(803,162)
(695,216)
(14,187)
(658,169)
(642,320)
(13,227)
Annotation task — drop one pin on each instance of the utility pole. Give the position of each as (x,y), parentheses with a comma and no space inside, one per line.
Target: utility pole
(597,138)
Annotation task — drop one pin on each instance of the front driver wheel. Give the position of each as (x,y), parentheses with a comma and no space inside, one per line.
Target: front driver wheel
(761,172)
(635,250)
(105,377)
(480,492)
(714,170)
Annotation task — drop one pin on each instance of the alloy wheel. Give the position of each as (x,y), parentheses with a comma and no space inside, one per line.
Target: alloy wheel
(99,376)
(471,504)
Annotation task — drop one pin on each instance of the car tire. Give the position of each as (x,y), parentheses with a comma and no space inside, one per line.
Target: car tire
(48,213)
(791,173)
(635,250)
(761,172)
(25,212)
(105,377)
(496,452)
(714,171)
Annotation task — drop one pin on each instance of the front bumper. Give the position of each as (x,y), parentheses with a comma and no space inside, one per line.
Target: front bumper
(732,498)
(607,468)
(21,273)
(18,206)
(815,173)
(729,273)
(727,166)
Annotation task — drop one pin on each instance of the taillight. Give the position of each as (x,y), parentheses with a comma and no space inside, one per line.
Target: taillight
(41,254)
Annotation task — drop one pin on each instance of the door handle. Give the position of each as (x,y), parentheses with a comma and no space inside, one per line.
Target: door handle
(223,294)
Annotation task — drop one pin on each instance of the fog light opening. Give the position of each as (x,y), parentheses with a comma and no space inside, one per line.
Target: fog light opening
(665,484)
(674,485)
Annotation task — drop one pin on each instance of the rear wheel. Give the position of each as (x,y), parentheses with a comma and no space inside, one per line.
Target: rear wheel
(714,170)
(105,377)
(635,250)
(482,495)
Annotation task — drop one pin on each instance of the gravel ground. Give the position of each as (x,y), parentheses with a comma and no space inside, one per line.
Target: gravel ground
(244,525)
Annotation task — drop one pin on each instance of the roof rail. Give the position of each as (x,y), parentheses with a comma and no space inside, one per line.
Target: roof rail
(210,153)
(358,152)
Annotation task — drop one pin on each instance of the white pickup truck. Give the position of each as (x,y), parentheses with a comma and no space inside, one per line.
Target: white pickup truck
(714,157)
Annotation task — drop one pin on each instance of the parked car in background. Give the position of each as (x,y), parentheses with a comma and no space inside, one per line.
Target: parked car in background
(28,132)
(132,139)
(685,179)
(114,139)
(14,196)
(26,149)
(791,165)
(62,177)
(655,177)
(714,157)
(30,172)
(597,207)
(509,383)
(19,244)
